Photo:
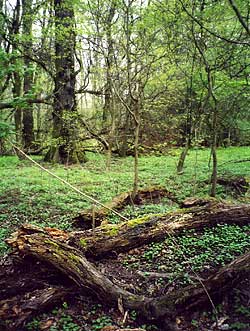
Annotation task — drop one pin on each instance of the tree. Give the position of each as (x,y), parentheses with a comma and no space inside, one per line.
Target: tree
(28,121)
(63,148)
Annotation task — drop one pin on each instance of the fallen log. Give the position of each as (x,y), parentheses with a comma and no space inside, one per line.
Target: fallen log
(19,309)
(52,246)
(238,185)
(116,238)
(71,262)
(152,194)
(235,185)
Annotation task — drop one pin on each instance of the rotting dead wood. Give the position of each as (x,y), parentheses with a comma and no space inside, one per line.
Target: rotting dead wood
(152,194)
(59,250)
(17,310)
(72,263)
(113,238)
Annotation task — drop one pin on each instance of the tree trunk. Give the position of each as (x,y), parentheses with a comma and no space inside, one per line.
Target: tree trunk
(63,147)
(17,81)
(17,91)
(136,112)
(214,155)
(28,121)
(183,156)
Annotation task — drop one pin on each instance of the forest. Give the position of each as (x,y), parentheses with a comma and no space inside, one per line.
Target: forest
(124,165)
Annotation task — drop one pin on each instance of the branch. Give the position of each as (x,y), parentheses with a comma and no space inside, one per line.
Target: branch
(231,41)
(12,104)
(238,14)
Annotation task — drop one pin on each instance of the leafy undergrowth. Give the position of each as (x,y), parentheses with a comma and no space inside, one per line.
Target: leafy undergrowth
(29,195)
(174,263)
(182,260)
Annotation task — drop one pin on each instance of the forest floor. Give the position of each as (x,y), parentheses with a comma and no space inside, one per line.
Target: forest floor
(28,195)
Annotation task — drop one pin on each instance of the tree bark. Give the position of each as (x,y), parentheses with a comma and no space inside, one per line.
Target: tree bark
(28,136)
(63,147)
(113,238)
(71,262)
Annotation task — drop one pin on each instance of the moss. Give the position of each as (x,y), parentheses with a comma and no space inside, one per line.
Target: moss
(113,231)
(83,243)
(74,257)
(47,241)
(137,221)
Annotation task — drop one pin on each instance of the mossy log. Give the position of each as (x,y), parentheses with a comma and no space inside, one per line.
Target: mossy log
(71,262)
(152,194)
(62,256)
(116,238)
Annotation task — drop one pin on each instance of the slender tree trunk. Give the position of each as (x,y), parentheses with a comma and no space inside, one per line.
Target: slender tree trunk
(214,155)
(183,156)
(28,121)
(17,80)
(189,119)
(17,91)
(2,23)
(136,112)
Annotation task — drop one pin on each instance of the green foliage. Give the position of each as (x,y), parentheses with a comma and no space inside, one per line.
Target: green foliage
(29,195)
(193,252)
(100,322)
(6,130)
(4,232)
(34,325)
(240,326)
(63,321)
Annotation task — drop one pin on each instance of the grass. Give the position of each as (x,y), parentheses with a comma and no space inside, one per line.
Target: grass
(27,194)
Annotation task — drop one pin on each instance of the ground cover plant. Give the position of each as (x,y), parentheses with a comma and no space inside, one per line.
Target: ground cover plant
(27,195)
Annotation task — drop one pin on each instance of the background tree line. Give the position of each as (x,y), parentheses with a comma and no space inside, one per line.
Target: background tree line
(124,76)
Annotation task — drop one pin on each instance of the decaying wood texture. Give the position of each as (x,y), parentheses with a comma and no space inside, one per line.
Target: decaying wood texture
(65,253)
(238,185)
(71,262)
(17,310)
(113,238)
(149,194)
(27,287)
